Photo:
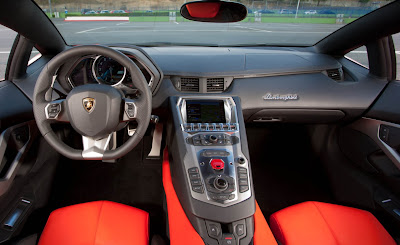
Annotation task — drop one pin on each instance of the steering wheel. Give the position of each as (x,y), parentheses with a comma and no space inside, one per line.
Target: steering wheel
(95,111)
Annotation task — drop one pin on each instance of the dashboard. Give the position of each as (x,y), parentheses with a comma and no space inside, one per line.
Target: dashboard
(274,84)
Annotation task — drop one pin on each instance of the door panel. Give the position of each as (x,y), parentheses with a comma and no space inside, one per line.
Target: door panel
(372,148)
(15,107)
(387,108)
(27,164)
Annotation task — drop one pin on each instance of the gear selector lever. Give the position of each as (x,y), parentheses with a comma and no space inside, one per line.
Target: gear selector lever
(220,183)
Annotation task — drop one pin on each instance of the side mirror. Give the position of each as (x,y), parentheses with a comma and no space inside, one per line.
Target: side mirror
(214,11)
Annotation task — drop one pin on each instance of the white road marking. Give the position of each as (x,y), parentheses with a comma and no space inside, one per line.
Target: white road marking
(133,26)
(253,29)
(90,30)
(123,23)
(97,18)
(168,31)
(301,32)
(176,23)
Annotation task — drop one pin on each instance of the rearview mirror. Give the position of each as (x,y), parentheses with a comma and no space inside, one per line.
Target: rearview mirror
(214,11)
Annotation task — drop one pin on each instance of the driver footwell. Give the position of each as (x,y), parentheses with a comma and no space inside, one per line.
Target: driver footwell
(131,181)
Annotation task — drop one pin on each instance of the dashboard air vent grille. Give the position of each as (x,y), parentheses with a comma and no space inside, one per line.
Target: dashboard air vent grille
(189,84)
(335,74)
(215,84)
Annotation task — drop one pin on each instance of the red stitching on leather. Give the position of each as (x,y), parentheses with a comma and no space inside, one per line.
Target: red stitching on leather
(98,222)
(282,237)
(327,224)
(148,227)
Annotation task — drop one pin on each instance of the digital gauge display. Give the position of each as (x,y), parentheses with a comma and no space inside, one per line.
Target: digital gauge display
(108,71)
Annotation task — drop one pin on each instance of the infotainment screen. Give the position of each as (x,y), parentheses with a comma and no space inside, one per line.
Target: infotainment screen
(205,111)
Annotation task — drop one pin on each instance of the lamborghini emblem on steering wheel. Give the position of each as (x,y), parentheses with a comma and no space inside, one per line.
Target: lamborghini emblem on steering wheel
(88,104)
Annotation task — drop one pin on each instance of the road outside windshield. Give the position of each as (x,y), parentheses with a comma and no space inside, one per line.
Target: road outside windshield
(158,22)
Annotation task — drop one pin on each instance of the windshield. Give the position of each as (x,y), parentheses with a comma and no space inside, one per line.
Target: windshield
(159,23)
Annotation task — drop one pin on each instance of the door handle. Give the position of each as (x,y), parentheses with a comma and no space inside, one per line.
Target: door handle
(375,130)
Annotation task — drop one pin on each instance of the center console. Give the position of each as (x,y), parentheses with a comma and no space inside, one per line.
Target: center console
(210,167)
(219,173)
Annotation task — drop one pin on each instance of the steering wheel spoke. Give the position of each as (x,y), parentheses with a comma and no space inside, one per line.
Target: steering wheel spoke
(93,149)
(130,109)
(56,111)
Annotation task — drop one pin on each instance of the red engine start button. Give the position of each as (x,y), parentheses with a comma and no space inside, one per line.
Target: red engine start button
(217,164)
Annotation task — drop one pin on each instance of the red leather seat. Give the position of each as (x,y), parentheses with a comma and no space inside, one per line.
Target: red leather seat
(315,223)
(96,223)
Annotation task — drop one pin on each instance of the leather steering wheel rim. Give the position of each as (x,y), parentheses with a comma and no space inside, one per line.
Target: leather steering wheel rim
(45,80)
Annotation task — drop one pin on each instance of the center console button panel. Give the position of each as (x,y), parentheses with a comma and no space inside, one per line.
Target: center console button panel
(243,179)
(214,229)
(195,180)
(228,239)
(214,153)
(230,233)
(205,127)
(215,139)
(213,150)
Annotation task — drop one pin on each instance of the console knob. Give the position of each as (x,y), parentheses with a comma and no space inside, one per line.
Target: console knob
(220,183)
(213,138)
(217,164)
(241,160)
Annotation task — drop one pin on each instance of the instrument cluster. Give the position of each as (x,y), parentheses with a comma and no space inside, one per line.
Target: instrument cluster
(103,70)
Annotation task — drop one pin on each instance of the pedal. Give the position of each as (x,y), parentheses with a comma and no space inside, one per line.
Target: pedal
(155,152)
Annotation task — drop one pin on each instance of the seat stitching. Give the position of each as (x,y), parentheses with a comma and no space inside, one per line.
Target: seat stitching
(97,224)
(327,224)
(280,230)
(148,227)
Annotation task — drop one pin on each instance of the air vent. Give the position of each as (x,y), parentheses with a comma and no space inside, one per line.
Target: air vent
(335,74)
(215,84)
(189,84)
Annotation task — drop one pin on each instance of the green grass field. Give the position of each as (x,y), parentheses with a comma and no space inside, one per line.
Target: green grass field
(249,19)
(270,18)
(299,20)
(149,19)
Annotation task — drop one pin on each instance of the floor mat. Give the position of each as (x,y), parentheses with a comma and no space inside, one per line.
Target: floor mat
(285,171)
(129,181)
